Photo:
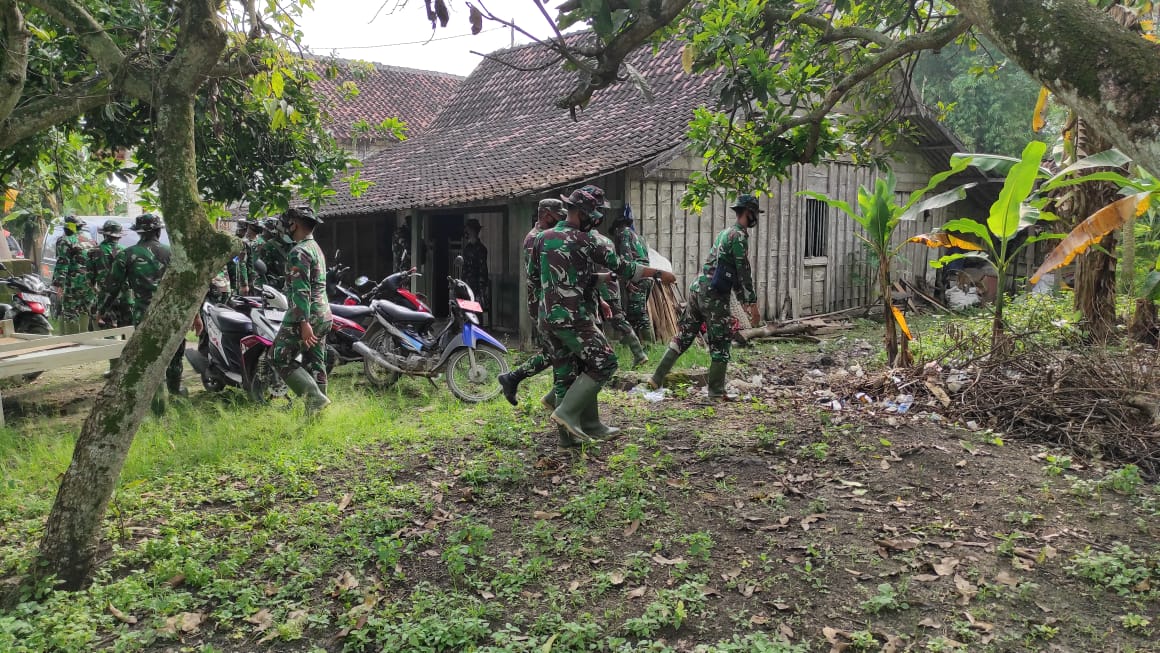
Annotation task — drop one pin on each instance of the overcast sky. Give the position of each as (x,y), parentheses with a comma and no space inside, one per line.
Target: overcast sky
(346,28)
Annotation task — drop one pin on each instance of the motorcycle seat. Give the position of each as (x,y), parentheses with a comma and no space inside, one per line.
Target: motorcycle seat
(396,313)
(233,321)
(354,313)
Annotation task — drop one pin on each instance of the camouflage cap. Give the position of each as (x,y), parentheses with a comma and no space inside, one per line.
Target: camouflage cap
(747,201)
(72,219)
(147,222)
(554,205)
(598,193)
(271,225)
(112,228)
(584,201)
(304,213)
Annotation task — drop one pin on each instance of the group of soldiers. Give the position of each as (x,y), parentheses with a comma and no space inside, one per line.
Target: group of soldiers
(114,286)
(572,276)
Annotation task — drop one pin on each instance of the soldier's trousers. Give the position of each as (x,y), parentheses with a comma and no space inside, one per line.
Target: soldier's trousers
(579,348)
(712,311)
(636,309)
(542,360)
(288,345)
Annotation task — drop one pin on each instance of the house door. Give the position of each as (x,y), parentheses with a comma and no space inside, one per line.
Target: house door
(445,239)
(815,259)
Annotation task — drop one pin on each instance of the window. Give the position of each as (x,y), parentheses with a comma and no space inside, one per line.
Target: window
(816,214)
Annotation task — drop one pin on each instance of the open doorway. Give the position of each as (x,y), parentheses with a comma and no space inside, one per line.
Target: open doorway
(444,241)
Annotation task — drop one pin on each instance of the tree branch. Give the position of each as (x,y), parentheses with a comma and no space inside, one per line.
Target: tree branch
(13,58)
(775,17)
(34,117)
(931,40)
(200,43)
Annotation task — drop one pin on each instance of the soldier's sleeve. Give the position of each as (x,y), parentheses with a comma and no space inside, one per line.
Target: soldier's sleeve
(606,256)
(114,282)
(532,266)
(60,270)
(743,288)
(91,267)
(298,286)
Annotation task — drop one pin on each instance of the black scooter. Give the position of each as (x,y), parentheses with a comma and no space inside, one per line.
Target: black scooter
(235,345)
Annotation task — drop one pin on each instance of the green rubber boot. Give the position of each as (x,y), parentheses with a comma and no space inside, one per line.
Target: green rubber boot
(716,381)
(306,387)
(549,400)
(570,411)
(638,356)
(590,422)
(666,366)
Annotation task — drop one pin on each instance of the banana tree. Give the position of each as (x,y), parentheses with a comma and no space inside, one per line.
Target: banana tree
(879,214)
(999,238)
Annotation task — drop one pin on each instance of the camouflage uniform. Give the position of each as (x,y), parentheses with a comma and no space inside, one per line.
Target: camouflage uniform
(100,266)
(401,248)
(273,252)
(543,359)
(220,287)
(253,249)
(630,246)
(306,294)
(475,267)
(238,269)
(139,268)
(567,260)
(609,291)
(711,308)
(71,277)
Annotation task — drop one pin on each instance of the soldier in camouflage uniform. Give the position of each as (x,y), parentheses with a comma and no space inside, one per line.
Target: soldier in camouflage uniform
(253,242)
(549,212)
(308,320)
(238,269)
(475,264)
(70,278)
(630,246)
(139,268)
(565,259)
(608,292)
(100,266)
(401,247)
(726,270)
(276,244)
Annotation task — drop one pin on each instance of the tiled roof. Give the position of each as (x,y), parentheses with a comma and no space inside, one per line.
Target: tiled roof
(413,96)
(502,136)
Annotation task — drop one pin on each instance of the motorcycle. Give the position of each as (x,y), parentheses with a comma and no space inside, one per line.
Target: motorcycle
(30,307)
(235,345)
(401,341)
(31,303)
(354,315)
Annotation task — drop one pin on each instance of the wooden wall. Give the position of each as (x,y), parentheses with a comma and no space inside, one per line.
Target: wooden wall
(787,282)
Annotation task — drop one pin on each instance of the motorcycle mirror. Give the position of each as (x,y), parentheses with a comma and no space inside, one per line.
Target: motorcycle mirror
(459,266)
(362,281)
(260,266)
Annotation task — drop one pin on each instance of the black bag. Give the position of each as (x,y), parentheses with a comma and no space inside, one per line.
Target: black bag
(723,277)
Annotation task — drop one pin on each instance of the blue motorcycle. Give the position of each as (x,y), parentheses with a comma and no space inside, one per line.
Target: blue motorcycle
(404,341)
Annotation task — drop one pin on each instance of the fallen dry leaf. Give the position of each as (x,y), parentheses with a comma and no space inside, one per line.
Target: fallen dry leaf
(1007,579)
(945,567)
(759,620)
(966,590)
(710,591)
(345,501)
(748,590)
(121,616)
(486,595)
(661,560)
(616,578)
(785,631)
(636,593)
(186,622)
(631,528)
(731,574)
(926,578)
(893,644)
(930,623)
(540,514)
(262,619)
(574,586)
(809,519)
(345,583)
(900,544)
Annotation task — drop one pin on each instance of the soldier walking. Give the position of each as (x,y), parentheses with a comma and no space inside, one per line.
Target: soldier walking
(475,264)
(70,278)
(608,292)
(564,259)
(139,268)
(238,269)
(308,320)
(276,244)
(726,271)
(548,213)
(100,265)
(254,242)
(631,246)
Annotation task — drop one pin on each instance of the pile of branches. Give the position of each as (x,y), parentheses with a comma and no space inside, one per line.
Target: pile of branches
(1097,402)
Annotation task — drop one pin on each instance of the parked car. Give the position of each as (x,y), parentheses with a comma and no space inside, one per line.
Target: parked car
(90,234)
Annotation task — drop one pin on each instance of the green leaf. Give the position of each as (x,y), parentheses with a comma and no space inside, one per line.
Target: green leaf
(1003,220)
(936,202)
(1112,158)
(1151,288)
(1107,175)
(277,83)
(949,258)
(968,226)
(957,166)
(844,207)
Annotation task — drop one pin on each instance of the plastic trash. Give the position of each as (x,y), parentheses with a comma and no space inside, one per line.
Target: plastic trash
(649,395)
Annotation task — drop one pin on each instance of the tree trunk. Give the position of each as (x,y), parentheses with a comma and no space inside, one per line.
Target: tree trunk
(69,547)
(1144,327)
(1106,73)
(1128,259)
(1095,290)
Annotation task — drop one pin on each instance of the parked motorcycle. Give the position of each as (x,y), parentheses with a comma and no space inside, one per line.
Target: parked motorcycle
(401,341)
(235,346)
(31,304)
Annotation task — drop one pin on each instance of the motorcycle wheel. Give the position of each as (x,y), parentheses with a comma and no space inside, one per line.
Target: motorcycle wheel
(379,376)
(266,385)
(36,329)
(475,383)
(332,359)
